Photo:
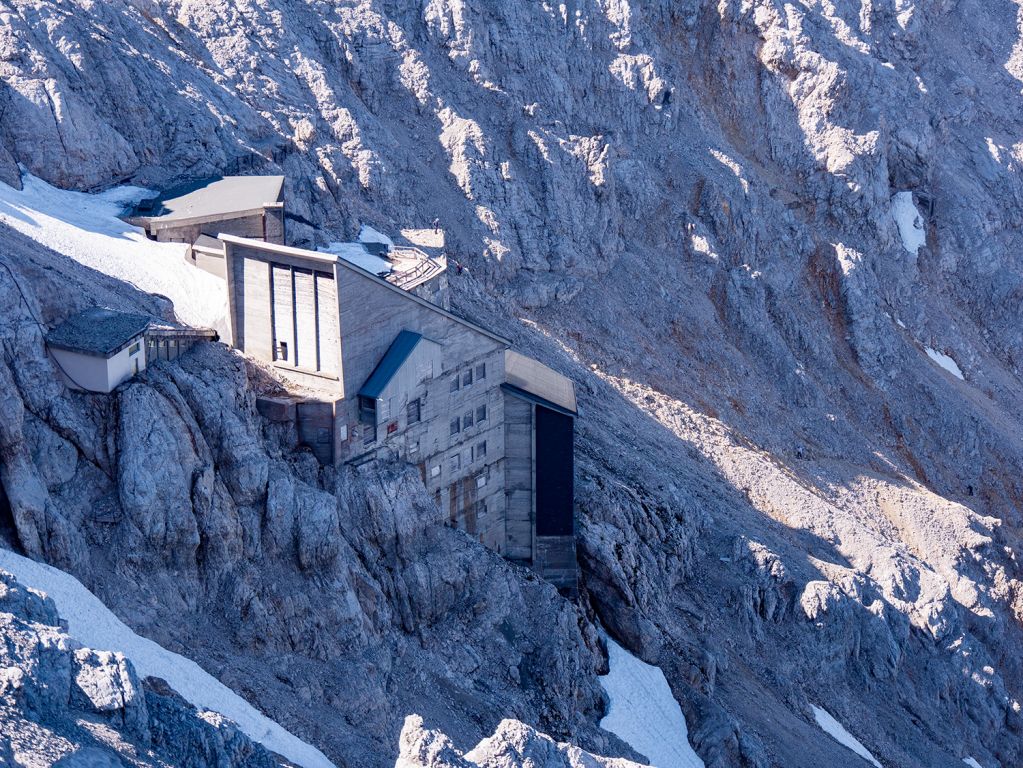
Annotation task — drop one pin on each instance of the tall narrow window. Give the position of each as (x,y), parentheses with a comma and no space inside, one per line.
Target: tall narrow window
(481,413)
(454,384)
(481,450)
(467,420)
(467,378)
(481,371)
(456,426)
(412,411)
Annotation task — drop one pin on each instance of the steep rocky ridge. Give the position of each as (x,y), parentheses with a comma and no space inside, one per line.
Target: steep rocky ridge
(62,704)
(689,207)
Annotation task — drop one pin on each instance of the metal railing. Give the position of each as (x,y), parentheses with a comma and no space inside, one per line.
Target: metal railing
(426,269)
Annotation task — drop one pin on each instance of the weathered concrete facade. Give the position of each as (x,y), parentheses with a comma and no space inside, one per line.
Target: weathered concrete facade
(402,379)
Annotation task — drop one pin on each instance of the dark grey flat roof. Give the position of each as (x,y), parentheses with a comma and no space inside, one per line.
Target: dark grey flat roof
(389,364)
(98,331)
(220,195)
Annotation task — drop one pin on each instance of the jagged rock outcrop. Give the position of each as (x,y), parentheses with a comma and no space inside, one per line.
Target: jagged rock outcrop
(693,207)
(61,704)
(513,745)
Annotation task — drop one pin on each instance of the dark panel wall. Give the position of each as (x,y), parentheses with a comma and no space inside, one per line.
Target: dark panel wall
(555,471)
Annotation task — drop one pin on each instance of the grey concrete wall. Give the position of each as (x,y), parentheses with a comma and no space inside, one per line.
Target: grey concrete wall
(300,309)
(273,224)
(207,262)
(555,561)
(253,225)
(518,471)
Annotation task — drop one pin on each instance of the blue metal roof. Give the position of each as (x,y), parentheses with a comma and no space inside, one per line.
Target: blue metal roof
(389,364)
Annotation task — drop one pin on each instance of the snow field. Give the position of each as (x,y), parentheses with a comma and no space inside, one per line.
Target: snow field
(643,712)
(92,624)
(834,729)
(86,228)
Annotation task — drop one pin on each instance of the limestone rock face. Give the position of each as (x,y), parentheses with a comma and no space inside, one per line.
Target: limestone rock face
(698,211)
(61,704)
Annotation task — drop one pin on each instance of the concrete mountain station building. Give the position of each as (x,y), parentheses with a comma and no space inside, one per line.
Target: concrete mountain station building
(386,370)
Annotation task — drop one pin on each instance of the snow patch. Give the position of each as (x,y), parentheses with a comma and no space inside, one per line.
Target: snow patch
(643,712)
(356,254)
(86,228)
(91,623)
(972,763)
(945,362)
(369,235)
(834,729)
(909,221)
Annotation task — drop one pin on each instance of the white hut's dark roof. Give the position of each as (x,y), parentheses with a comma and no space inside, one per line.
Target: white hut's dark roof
(98,331)
(218,196)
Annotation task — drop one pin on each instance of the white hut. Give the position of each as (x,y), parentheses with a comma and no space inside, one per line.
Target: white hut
(99,348)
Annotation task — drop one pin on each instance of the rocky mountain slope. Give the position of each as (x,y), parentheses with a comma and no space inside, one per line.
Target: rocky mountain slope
(699,211)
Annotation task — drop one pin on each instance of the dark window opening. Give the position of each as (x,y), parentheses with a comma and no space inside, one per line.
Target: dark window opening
(481,371)
(481,413)
(368,418)
(413,412)
(455,384)
(467,378)
(456,426)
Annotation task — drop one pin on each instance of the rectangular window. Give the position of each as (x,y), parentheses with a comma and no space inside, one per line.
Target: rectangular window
(481,371)
(455,463)
(481,413)
(481,450)
(481,480)
(454,384)
(456,426)
(134,349)
(467,420)
(435,471)
(367,410)
(467,378)
(412,411)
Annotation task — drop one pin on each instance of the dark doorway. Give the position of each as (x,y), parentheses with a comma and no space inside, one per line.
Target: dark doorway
(555,470)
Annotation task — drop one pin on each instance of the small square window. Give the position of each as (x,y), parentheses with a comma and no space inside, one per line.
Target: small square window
(481,413)
(481,450)
(454,384)
(412,411)
(435,471)
(481,371)
(467,420)
(481,480)
(467,378)
(455,462)
(456,426)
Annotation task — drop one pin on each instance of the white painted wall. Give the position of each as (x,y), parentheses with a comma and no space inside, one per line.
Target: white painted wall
(120,366)
(82,371)
(97,374)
